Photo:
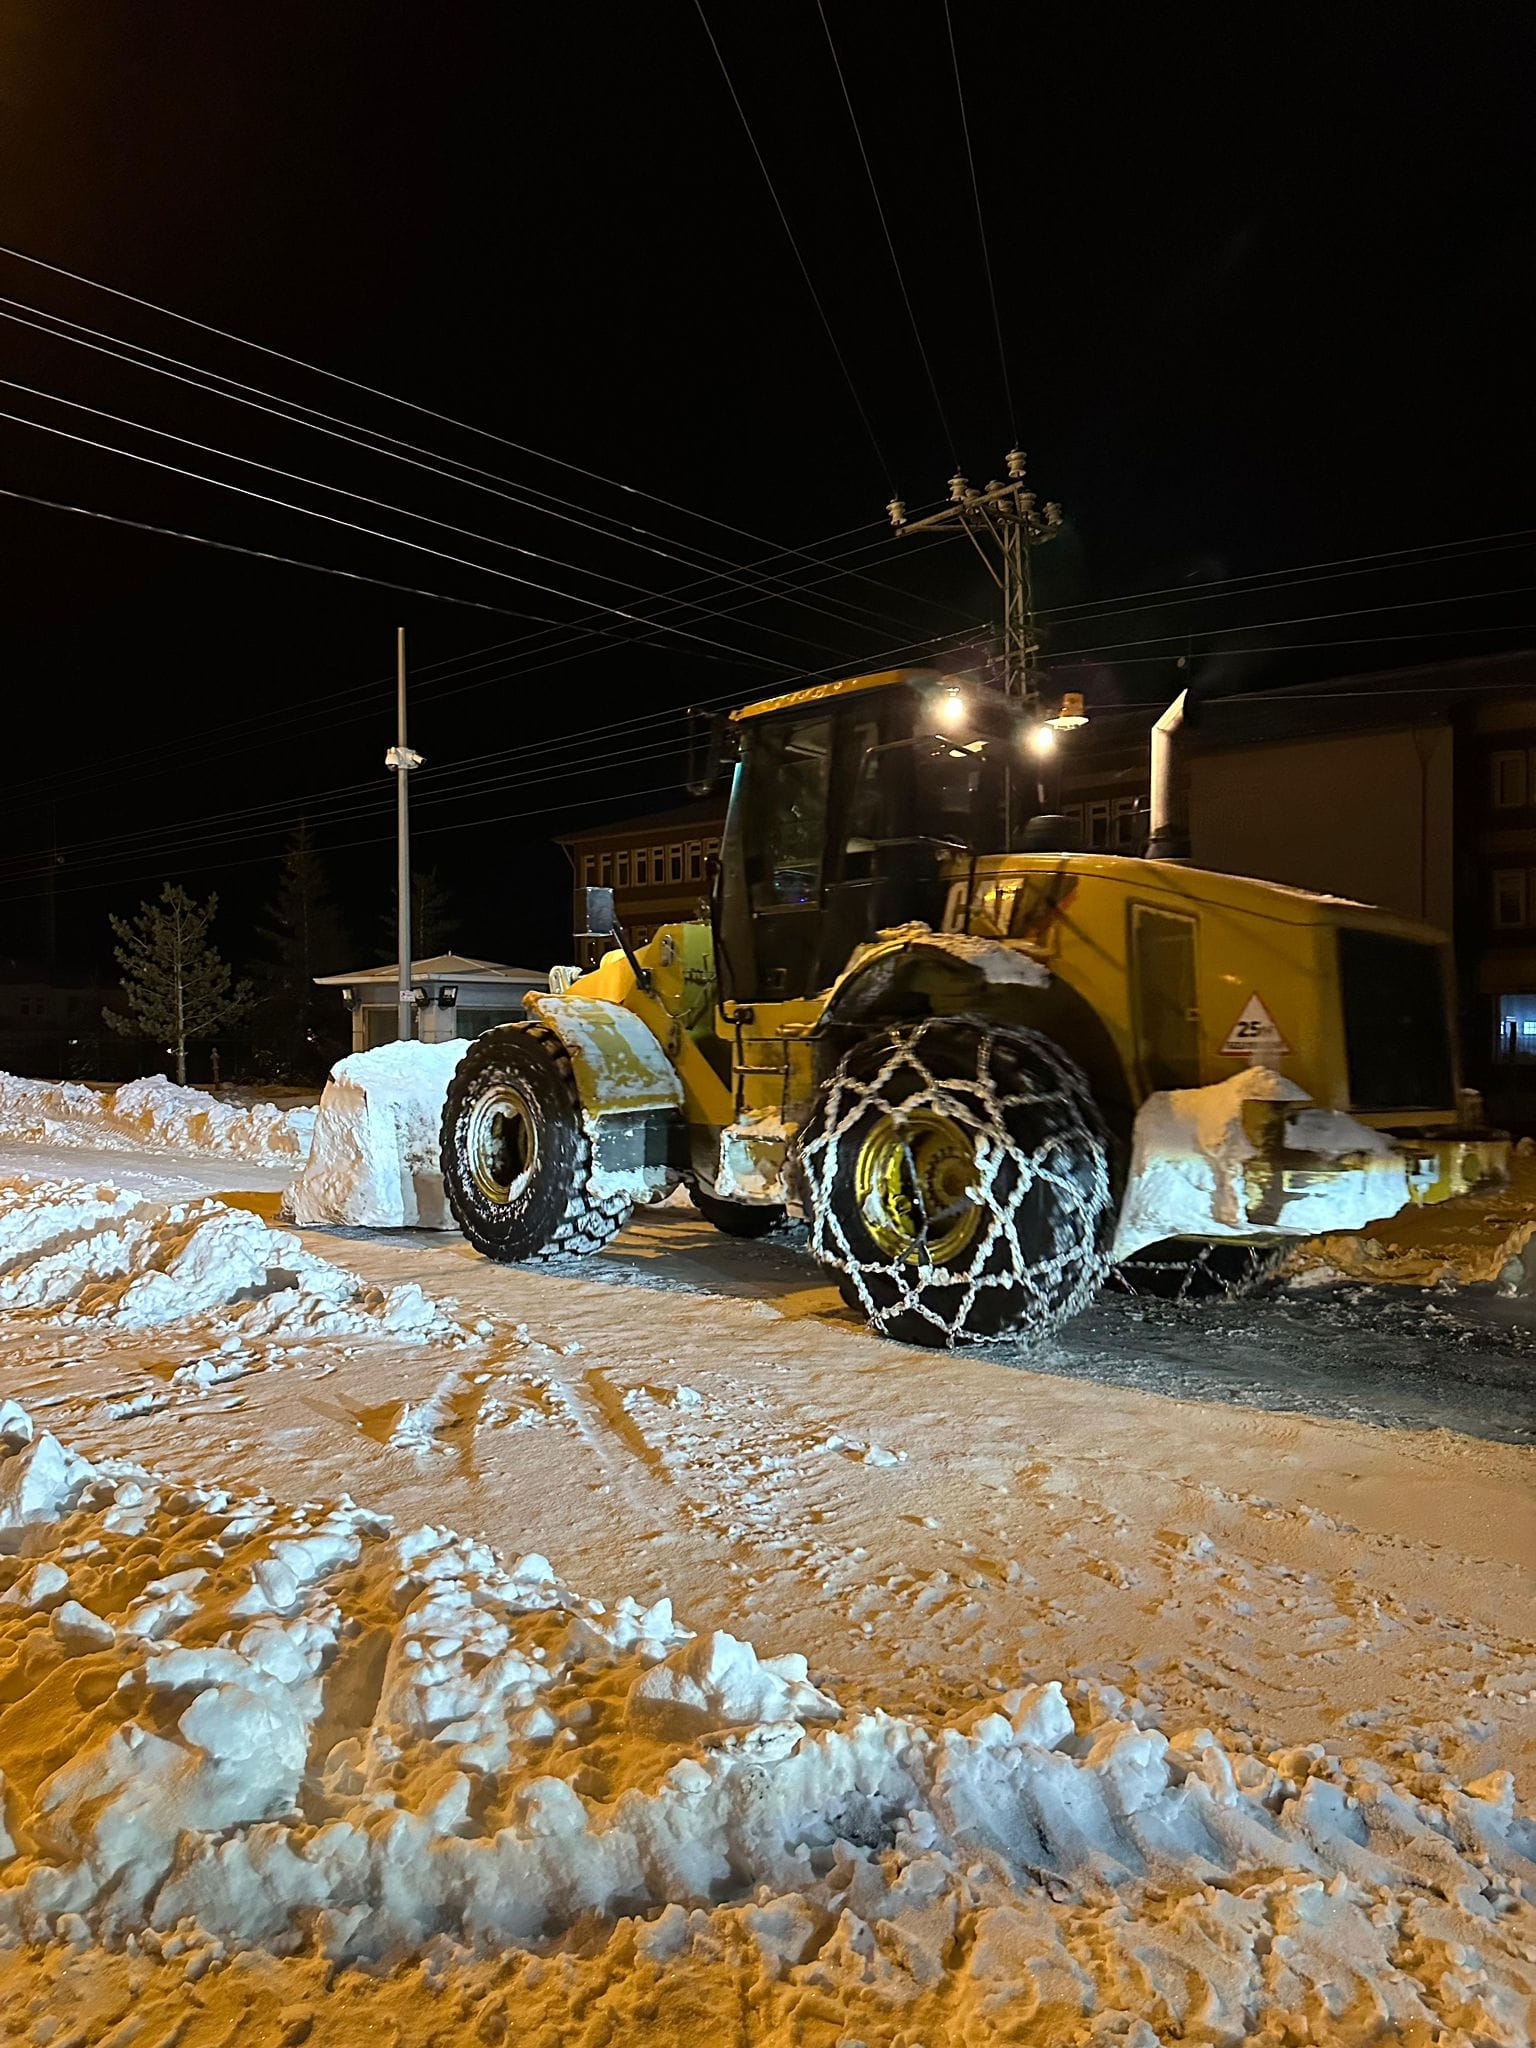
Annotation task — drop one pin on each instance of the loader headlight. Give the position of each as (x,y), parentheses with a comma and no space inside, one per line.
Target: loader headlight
(1041,740)
(951,708)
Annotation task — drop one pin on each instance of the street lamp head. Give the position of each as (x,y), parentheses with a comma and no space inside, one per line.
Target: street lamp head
(1071,715)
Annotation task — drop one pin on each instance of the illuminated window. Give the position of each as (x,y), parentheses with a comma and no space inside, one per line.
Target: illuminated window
(642,867)
(1515,1028)
(1510,898)
(623,874)
(1511,783)
(675,862)
(695,860)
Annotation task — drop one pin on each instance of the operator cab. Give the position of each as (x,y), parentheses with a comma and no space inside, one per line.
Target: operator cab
(849,800)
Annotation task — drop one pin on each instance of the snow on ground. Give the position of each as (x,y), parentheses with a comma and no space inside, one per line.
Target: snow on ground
(373,1159)
(74,1253)
(1480,1240)
(243,1727)
(532,1813)
(153,1114)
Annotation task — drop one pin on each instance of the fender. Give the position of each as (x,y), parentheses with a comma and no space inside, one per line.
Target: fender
(630,1091)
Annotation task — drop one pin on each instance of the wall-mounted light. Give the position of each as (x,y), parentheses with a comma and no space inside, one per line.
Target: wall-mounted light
(348,997)
(448,995)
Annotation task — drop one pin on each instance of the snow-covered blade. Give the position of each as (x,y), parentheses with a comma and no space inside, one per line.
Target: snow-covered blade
(237,1725)
(1191,1150)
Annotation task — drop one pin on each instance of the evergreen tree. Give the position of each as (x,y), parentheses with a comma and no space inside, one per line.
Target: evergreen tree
(434,917)
(177,986)
(302,1028)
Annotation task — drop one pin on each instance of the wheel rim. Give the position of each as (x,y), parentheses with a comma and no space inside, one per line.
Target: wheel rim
(917,1186)
(501,1144)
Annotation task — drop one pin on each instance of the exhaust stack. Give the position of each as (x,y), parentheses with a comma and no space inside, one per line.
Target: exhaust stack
(1166,839)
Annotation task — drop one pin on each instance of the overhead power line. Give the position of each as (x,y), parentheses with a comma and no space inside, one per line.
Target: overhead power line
(377,436)
(885,229)
(981,228)
(211,384)
(789,233)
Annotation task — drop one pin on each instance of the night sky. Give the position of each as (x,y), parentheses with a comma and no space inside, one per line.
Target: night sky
(1265,289)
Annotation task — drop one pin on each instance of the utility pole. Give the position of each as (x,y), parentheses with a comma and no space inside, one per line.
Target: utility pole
(402,760)
(1002,523)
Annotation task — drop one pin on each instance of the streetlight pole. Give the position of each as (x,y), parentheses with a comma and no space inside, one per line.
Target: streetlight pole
(402,760)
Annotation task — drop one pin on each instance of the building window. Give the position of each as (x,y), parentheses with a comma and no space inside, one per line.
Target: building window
(605,870)
(711,848)
(589,868)
(695,860)
(1510,898)
(1096,817)
(623,874)
(1124,825)
(658,866)
(1515,1028)
(1511,779)
(675,862)
(642,867)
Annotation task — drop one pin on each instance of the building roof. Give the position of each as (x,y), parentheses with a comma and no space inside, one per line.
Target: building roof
(708,810)
(439,967)
(1424,695)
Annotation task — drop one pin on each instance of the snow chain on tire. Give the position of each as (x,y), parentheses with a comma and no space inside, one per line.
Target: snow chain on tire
(1039,1252)
(574,1214)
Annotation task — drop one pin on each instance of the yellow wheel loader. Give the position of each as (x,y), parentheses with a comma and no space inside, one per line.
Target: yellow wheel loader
(981,1066)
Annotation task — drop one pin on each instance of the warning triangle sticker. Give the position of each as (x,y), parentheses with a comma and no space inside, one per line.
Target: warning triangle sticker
(1255,1032)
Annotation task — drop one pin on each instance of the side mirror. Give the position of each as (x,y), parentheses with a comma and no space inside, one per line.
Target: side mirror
(600,916)
(711,743)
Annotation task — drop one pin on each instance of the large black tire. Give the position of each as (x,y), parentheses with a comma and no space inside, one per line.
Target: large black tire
(737,1219)
(1191,1269)
(956,1180)
(516,1157)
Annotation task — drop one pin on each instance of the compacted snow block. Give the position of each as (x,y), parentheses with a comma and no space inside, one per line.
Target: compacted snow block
(373,1160)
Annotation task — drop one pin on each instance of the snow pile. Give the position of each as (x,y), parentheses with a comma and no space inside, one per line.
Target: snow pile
(153,1114)
(78,1253)
(1190,1151)
(373,1160)
(235,1725)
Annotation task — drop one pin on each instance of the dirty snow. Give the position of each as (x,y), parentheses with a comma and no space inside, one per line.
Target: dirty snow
(373,1160)
(153,1114)
(295,1738)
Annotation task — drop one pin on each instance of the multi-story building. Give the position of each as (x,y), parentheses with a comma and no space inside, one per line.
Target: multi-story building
(656,866)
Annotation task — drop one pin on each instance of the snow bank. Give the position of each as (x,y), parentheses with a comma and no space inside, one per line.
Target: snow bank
(234,1725)
(373,1160)
(1190,1149)
(78,1253)
(153,1114)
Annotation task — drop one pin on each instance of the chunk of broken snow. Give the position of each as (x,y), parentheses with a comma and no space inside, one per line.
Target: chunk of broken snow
(373,1160)
(715,1681)
(38,1483)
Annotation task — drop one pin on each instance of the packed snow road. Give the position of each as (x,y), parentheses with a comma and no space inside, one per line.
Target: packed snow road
(278,1767)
